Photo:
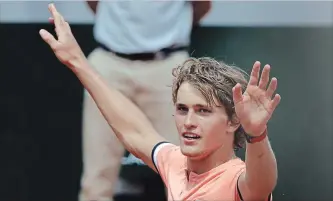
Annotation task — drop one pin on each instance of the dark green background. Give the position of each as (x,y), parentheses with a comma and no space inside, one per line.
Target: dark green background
(301,128)
(40,106)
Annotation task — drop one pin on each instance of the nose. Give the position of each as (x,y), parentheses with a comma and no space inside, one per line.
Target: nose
(190,121)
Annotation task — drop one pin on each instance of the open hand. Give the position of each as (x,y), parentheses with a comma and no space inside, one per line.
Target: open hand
(255,107)
(65,48)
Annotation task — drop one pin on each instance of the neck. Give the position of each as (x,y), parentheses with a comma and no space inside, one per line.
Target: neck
(218,157)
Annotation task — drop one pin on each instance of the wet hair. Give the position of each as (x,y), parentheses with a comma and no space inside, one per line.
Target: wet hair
(215,81)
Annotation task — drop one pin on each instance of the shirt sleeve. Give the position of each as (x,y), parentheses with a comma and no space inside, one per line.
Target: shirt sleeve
(161,155)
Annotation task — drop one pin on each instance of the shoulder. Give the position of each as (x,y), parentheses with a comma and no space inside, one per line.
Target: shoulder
(165,153)
(235,165)
(164,149)
(236,168)
(232,170)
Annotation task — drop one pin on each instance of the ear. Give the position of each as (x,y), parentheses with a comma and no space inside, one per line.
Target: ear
(233,124)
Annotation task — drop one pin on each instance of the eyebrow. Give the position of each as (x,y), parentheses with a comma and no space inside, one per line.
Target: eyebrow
(196,105)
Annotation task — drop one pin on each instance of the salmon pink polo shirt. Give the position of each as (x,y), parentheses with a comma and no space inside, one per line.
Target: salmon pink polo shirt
(218,184)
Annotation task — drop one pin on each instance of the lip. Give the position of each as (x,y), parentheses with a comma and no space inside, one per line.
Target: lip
(190,141)
(191,133)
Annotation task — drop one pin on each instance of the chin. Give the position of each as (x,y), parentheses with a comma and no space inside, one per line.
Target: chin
(192,152)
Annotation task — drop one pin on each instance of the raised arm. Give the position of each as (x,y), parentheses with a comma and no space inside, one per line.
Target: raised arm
(130,125)
(254,108)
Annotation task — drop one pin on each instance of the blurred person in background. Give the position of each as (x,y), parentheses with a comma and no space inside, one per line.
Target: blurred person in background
(139,42)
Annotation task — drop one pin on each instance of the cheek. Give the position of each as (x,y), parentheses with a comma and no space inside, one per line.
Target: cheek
(179,120)
(215,136)
(214,129)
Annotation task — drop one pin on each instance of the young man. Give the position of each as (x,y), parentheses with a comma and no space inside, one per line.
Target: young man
(139,42)
(212,116)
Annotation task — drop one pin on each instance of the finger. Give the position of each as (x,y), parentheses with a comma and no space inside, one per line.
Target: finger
(62,20)
(271,88)
(67,26)
(275,102)
(48,38)
(237,93)
(254,77)
(57,18)
(51,20)
(54,13)
(264,77)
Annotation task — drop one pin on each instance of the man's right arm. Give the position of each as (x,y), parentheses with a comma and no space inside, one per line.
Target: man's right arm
(129,123)
(93,5)
(131,126)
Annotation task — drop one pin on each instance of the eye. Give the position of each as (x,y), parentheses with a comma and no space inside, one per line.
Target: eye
(182,108)
(203,110)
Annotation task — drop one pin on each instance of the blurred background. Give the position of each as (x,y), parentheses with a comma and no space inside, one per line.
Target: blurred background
(41,100)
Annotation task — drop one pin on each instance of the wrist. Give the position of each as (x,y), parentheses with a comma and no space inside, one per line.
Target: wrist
(78,63)
(256,138)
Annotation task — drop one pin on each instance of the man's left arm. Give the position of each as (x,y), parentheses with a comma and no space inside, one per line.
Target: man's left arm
(260,177)
(200,9)
(254,108)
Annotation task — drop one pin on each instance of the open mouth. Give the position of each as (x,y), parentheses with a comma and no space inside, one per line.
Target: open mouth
(191,136)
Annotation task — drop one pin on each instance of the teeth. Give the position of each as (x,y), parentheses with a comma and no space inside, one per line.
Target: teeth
(191,135)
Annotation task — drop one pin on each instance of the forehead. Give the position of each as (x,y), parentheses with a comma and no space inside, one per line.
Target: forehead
(189,95)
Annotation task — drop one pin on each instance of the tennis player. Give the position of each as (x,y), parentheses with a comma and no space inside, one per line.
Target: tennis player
(216,110)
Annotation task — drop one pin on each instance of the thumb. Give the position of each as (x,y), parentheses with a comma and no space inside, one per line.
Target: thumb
(48,38)
(237,94)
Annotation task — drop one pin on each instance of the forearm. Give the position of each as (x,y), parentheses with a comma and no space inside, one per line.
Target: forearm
(261,167)
(93,5)
(126,119)
(200,9)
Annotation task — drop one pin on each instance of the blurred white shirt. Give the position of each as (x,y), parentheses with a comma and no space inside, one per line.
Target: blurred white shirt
(143,26)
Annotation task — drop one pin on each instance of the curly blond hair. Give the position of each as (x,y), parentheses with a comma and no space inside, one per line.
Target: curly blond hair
(215,81)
